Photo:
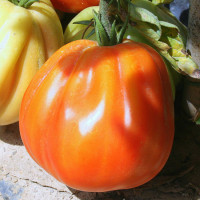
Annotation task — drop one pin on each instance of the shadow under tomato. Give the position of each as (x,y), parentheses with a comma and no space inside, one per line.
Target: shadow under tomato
(112,195)
(10,134)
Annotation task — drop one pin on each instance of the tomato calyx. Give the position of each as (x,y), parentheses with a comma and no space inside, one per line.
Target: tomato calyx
(23,3)
(109,28)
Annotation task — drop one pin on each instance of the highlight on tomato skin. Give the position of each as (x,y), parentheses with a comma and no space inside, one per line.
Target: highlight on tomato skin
(100,118)
(73,6)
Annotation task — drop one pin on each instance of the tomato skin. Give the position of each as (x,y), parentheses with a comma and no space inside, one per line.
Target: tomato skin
(100,118)
(71,6)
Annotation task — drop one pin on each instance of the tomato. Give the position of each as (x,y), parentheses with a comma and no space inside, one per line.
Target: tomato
(75,31)
(28,37)
(71,6)
(100,118)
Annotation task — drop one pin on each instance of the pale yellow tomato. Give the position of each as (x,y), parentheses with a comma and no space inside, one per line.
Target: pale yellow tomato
(28,37)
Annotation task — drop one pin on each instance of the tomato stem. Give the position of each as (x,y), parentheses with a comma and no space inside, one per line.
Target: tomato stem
(107,10)
(23,3)
(108,26)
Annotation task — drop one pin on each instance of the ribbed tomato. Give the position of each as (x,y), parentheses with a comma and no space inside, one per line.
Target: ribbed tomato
(73,6)
(100,118)
(28,37)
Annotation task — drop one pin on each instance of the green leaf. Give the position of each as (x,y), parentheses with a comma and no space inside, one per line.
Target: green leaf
(84,22)
(168,25)
(149,30)
(161,1)
(113,36)
(29,3)
(122,31)
(26,3)
(102,36)
(22,2)
(166,16)
(163,14)
(92,32)
(141,15)
(171,36)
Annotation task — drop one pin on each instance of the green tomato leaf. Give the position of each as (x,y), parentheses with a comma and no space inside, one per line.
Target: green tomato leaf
(161,1)
(146,20)
(148,30)
(113,34)
(84,22)
(92,32)
(163,14)
(122,31)
(171,36)
(102,36)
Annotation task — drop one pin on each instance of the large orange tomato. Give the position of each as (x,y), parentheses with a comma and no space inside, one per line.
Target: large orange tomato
(100,118)
(73,6)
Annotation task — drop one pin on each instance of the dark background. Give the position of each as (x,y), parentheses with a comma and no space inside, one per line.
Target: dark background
(180,9)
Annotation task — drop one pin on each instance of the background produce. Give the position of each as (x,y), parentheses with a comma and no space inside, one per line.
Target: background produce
(28,37)
(73,6)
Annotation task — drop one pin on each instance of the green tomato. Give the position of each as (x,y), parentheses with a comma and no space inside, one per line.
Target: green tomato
(75,31)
